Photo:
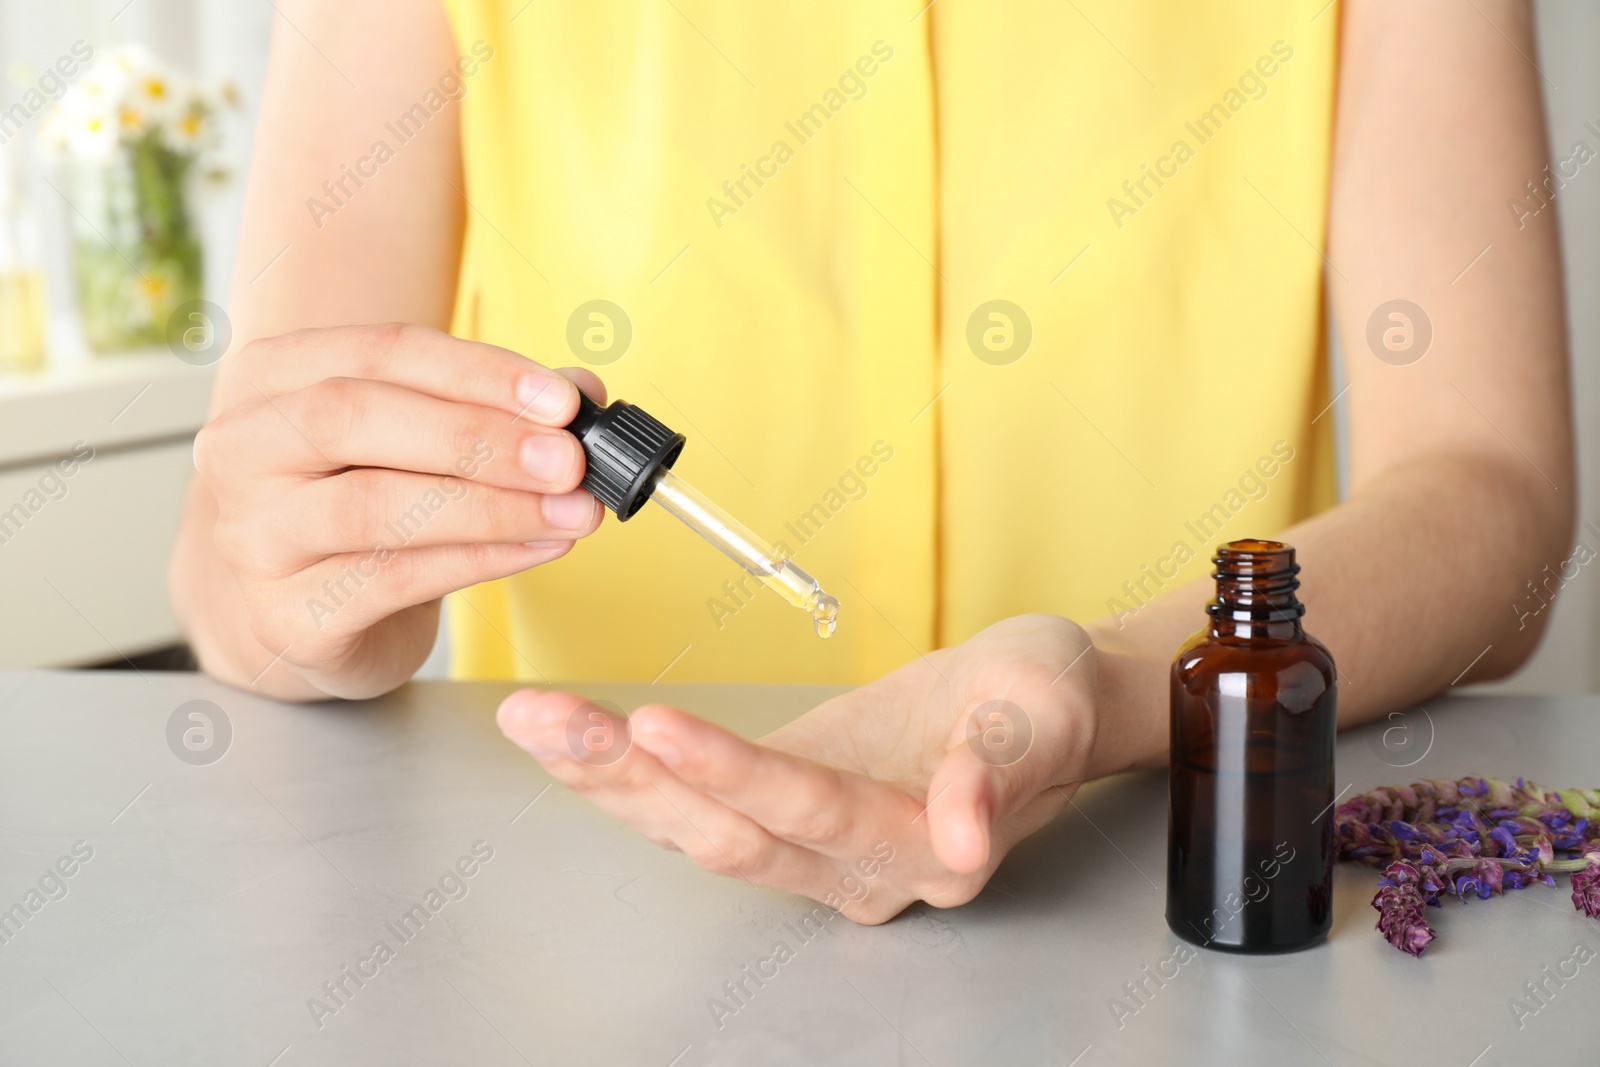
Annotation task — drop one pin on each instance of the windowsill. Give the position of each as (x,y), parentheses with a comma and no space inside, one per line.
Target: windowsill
(108,402)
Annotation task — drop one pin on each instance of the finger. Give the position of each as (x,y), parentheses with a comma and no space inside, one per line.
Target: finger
(1001,759)
(863,887)
(362,509)
(338,423)
(414,357)
(1028,734)
(586,380)
(587,747)
(858,825)
(347,594)
(636,788)
(818,807)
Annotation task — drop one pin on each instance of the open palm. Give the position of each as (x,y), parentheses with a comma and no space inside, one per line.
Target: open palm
(912,787)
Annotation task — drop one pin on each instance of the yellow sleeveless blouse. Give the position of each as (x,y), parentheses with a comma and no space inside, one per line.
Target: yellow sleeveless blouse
(977,309)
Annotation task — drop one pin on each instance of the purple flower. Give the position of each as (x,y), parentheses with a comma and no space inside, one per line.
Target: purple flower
(1586,887)
(1485,878)
(1400,918)
(1400,873)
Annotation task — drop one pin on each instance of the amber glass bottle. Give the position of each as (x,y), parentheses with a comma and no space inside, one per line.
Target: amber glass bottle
(1250,820)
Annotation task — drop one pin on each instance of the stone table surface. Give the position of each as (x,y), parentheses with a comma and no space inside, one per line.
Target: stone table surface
(212,901)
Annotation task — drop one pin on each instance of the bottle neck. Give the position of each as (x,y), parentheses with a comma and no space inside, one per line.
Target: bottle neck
(1256,586)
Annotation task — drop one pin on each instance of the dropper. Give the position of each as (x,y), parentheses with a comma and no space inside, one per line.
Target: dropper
(630,454)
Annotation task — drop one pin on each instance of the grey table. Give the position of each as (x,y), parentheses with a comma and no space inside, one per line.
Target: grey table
(211,905)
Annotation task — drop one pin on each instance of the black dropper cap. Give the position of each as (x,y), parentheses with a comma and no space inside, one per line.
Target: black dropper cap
(624,446)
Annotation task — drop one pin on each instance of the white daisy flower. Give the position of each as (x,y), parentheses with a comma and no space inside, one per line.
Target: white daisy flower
(155,92)
(187,131)
(100,92)
(134,120)
(93,137)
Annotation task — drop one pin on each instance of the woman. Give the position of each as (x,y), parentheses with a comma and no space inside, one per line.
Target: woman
(1001,319)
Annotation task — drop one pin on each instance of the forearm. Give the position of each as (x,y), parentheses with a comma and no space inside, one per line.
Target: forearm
(390,254)
(1413,584)
(1461,465)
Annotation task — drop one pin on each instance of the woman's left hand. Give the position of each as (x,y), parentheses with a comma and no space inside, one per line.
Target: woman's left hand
(912,787)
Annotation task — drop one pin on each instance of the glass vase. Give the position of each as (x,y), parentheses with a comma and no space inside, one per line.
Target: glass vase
(136,255)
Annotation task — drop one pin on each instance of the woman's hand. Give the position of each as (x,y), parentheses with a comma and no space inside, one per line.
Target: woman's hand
(910,788)
(360,473)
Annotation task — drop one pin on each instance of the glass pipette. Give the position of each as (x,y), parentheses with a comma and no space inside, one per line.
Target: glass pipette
(752,553)
(630,454)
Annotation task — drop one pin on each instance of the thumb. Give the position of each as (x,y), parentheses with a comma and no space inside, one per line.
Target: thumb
(1000,758)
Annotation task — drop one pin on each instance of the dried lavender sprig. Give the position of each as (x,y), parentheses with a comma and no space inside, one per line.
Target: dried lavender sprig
(1478,835)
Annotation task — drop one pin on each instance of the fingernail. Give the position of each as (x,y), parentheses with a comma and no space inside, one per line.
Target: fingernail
(549,456)
(544,396)
(542,753)
(570,511)
(547,544)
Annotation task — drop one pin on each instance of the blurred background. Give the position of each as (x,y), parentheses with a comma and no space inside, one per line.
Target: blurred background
(125,131)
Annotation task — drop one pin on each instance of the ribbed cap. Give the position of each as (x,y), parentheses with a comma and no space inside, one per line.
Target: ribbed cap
(624,447)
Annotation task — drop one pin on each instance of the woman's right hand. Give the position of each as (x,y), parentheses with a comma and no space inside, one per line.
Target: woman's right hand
(357,474)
